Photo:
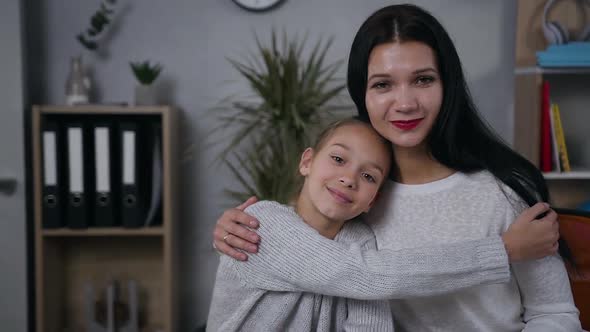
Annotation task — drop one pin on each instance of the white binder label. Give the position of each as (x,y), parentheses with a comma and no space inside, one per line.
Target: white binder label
(129,157)
(75,160)
(49,159)
(102,156)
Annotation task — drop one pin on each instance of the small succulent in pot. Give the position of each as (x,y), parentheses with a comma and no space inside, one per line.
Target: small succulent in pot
(145,72)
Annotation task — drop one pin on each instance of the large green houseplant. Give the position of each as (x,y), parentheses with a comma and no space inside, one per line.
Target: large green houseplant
(294,92)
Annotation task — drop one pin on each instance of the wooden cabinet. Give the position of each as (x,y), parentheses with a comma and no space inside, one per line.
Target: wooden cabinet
(569,89)
(67,259)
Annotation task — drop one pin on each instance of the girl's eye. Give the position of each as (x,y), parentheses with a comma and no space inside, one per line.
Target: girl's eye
(369,177)
(337,159)
(424,80)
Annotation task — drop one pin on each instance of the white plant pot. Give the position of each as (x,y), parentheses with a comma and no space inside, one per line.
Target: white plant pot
(145,95)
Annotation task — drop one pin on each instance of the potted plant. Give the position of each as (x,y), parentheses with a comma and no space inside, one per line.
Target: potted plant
(293,95)
(146,74)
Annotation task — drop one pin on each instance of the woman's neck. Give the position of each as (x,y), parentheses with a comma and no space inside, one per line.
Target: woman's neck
(417,166)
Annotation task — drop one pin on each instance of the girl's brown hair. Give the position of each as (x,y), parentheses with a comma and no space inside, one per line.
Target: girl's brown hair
(321,140)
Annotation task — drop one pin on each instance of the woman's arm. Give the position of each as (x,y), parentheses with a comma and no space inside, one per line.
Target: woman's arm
(546,295)
(544,287)
(294,257)
(232,232)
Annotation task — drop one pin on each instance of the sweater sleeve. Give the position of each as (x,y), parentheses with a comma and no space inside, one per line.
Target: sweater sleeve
(546,295)
(369,315)
(544,287)
(294,257)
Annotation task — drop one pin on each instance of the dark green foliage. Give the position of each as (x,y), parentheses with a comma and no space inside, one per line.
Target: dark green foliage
(292,95)
(145,73)
(98,23)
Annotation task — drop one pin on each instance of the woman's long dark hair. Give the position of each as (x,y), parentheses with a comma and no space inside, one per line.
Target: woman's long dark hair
(459,139)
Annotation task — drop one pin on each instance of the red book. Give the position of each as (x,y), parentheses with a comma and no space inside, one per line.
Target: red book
(545,128)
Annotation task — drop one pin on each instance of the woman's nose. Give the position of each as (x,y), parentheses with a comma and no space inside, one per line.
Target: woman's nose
(405,100)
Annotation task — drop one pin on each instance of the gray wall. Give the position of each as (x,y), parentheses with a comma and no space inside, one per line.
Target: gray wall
(193,37)
(13,252)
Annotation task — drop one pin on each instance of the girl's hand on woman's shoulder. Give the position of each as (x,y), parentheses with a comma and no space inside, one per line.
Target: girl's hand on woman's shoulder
(532,237)
(231,234)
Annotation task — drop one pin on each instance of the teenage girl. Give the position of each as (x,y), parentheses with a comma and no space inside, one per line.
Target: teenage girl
(342,174)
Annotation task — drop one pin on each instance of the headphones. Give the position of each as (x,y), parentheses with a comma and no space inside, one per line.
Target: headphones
(555,33)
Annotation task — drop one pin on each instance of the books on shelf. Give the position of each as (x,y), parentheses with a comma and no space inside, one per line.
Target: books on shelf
(545,157)
(564,162)
(554,146)
(554,156)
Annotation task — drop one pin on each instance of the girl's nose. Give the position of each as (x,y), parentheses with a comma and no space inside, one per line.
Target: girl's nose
(347,182)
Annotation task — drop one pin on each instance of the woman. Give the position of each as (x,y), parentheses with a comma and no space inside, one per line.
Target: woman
(455,181)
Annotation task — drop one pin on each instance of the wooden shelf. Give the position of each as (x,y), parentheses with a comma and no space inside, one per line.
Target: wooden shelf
(568,89)
(573,175)
(107,231)
(552,70)
(67,259)
(113,109)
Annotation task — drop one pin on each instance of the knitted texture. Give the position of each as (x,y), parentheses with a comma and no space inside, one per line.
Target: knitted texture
(239,304)
(465,207)
(294,257)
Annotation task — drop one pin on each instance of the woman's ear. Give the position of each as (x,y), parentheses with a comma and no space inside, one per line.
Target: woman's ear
(305,162)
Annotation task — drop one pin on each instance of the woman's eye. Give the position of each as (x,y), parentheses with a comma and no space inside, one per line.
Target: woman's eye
(380,85)
(424,80)
(337,159)
(369,177)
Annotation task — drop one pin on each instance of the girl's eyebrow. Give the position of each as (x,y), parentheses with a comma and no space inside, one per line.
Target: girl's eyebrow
(371,164)
(344,146)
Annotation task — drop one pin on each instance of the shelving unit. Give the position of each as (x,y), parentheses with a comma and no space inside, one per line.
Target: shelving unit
(66,259)
(569,89)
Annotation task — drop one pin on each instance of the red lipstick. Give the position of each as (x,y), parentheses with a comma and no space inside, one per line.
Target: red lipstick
(407,124)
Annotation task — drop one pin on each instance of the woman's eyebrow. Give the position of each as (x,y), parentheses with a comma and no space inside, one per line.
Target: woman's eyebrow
(378,76)
(424,70)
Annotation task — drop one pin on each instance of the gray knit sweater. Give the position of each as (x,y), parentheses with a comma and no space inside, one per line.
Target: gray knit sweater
(241,301)
(265,293)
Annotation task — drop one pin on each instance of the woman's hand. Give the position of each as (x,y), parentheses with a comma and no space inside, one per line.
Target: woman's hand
(532,238)
(231,233)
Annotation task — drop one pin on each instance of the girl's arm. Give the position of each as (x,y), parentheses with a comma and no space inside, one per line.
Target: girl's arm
(524,239)
(372,315)
(294,257)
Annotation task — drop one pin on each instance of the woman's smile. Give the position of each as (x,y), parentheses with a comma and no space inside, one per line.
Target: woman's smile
(407,124)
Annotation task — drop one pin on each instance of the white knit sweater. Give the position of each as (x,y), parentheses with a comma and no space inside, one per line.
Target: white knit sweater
(460,208)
